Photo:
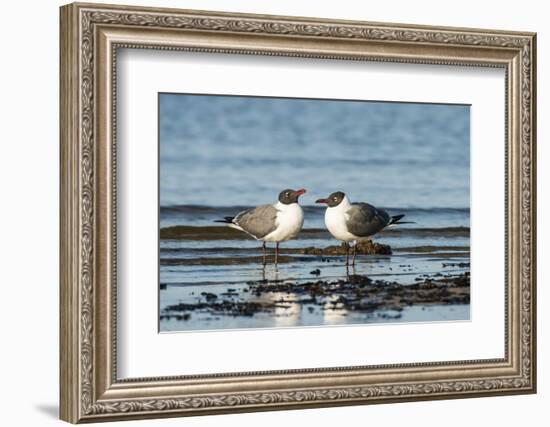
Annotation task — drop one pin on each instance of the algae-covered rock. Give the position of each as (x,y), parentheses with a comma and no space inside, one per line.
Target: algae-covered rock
(367,247)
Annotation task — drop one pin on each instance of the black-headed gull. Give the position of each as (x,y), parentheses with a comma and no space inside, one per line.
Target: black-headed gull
(353,222)
(277,223)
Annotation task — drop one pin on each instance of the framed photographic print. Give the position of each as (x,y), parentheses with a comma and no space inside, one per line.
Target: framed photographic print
(266,212)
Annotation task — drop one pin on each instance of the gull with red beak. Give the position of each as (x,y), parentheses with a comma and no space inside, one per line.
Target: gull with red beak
(277,223)
(353,222)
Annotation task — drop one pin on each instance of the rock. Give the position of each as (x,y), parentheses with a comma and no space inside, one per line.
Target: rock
(456,264)
(357,279)
(315,272)
(209,296)
(367,247)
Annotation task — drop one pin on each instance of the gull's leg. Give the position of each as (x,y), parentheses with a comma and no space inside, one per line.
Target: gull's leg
(276,252)
(263,252)
(347,254)
(354,254)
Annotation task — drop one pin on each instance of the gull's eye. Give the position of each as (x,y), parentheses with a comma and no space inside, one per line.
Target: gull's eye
(287,194)
(335,198)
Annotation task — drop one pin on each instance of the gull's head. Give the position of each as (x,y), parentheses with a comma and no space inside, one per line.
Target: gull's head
(333,200)
(289,196)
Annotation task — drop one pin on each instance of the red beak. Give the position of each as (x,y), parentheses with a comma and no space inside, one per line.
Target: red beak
(321,201)
(300,191)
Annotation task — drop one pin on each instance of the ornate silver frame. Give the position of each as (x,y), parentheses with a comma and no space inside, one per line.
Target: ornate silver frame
(90,36)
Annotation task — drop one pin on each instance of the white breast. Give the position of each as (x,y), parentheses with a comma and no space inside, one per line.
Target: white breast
(290,219)
(335,220)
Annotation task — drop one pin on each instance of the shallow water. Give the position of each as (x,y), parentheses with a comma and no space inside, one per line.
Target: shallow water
(219,155)
(193,263)
(304,316)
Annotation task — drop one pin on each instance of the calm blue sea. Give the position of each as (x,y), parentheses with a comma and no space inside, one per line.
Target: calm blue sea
(227,151)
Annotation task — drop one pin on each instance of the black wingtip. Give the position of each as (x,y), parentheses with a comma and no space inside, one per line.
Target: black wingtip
(226,220)
(395,219)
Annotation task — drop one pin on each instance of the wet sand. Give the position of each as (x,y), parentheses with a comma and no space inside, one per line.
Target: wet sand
(311,286)
(356,293)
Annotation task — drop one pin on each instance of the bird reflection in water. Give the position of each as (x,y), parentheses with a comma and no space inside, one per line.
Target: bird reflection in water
(286,310)
(296,301)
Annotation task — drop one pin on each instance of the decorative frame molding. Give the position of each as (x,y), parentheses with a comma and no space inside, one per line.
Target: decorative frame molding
(90,36)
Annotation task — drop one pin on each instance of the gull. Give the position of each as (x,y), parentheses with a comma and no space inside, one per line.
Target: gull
(277,223)
(353,222)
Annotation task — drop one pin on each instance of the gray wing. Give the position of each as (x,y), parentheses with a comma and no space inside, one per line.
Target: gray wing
(258,221)
(365,220)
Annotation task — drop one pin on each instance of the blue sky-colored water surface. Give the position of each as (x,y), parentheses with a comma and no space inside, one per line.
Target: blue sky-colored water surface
(232,150)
